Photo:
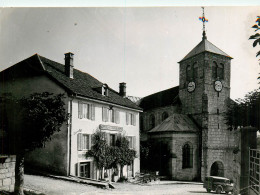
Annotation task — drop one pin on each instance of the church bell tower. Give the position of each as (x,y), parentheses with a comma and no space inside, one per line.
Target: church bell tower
(204,88)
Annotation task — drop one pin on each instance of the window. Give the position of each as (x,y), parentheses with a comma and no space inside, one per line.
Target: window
(110,115)
(192,72)
(189,73)
(187,156)
(164,116)
(195,70)
(112,139)
(86,110)
(84,170)
(214,70)
(104,114)
(132,142)
(130,119)
(83,141)
(151,121)
(105,90)
(117,117)
(220,71)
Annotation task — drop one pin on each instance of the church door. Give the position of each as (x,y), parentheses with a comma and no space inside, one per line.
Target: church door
(217,169)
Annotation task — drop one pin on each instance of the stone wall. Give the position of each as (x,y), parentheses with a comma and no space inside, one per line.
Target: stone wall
(7,173)
(175,142)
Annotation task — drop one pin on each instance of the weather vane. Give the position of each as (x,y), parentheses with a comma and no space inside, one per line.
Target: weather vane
(203,19)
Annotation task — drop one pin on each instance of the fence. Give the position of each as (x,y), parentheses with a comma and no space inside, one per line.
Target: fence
(254,170)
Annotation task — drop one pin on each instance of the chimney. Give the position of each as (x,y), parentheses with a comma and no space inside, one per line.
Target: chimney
(122,89)
(69,64)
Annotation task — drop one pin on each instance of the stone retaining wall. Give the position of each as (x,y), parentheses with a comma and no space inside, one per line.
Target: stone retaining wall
(7,173)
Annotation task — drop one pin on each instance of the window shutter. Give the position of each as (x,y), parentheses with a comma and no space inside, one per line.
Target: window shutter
(117,117)
(106,114)
(79,141)
(103,114)
(88,114)
(108,138)
(92,112)
(127,118)
(116,136)
(134,119)
(134,143)
(80,109)
(91,141)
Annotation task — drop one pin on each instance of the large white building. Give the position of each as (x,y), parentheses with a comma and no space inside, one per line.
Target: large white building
(92,106)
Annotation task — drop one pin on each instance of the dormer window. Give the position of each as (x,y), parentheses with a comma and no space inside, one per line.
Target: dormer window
(101,89)
(105,90)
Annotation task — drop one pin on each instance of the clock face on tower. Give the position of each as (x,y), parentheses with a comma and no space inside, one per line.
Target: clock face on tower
(191,86)
(218,86)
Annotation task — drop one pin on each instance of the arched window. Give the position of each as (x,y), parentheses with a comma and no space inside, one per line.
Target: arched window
(187,156)
(151,121)
(214,70)
(220,71)
(195,70)
(164,116)
(189,73)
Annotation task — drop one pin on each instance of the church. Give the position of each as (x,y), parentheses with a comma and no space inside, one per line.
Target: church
(186,124)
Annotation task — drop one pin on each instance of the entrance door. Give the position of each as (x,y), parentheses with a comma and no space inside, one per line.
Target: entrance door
(85,169)
(217,169)
(130,170)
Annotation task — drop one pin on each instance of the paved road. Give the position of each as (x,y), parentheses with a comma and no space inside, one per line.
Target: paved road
(52,186)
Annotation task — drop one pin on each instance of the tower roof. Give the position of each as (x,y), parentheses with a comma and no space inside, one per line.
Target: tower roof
(205,46)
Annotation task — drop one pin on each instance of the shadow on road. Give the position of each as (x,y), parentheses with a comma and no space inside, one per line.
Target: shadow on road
(201,192)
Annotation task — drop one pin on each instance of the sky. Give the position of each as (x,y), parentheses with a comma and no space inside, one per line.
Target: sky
(137,45)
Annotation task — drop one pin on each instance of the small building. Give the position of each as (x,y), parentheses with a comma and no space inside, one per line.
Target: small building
(92,106)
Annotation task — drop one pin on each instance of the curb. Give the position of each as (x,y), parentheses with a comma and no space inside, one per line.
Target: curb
(32,192)
(78,180)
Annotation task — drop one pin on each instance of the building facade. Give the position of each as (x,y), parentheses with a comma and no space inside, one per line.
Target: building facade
(202,96)
(92,106)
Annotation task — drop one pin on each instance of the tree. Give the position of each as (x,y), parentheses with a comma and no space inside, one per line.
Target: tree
(256,36)
(101,151)
(30,123)
(124,155)
(244,112)
(107,156)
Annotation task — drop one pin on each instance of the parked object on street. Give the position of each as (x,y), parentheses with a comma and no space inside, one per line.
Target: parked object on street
(218,184)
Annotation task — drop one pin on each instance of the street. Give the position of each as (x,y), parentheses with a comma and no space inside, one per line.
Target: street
(52,186)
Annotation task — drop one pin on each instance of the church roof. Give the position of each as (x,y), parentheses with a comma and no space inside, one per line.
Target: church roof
(134,99)
(160,99)
(176,123)
(83,84)
(205,46)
